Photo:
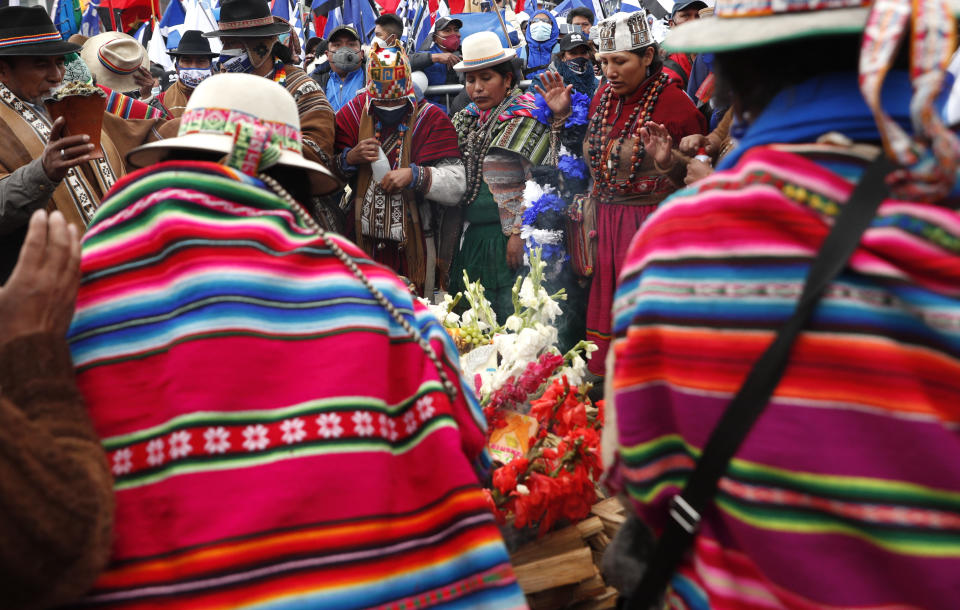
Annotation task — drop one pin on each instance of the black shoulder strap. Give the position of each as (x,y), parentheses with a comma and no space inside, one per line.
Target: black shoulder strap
(754,395)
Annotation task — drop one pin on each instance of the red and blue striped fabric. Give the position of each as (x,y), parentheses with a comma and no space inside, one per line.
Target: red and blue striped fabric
(846,494)
(278,440)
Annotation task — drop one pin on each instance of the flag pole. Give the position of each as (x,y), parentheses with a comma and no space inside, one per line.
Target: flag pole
(503,24)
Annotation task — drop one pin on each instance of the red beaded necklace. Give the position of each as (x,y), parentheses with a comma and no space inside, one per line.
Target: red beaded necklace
(605,153)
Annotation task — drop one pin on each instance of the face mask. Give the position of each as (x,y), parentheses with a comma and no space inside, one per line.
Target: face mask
(390,116)
(540,31)
(579,65)
(450,43)
(345,59)
(380,42)
(191,77)
(239,63)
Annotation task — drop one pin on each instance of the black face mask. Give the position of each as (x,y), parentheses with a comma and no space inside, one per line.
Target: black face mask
(390,116)
(579,65)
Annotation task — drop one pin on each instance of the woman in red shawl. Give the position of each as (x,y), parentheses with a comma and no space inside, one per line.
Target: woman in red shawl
(636,110)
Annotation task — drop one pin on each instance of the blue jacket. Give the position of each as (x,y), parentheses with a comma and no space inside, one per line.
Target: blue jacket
(339,91)
(538,55)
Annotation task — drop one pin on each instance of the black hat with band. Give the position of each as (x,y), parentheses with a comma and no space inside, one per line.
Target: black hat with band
(193,43)
(29,31)
(247,18)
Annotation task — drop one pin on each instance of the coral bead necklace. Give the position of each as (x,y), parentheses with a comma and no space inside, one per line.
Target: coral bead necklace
(605,153)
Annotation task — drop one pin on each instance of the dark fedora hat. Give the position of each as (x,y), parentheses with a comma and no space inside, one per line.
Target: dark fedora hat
(247,18)
(193,43)
(29,31)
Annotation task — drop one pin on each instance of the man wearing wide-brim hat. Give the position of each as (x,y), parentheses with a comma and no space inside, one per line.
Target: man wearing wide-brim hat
(193,60)
(120,63)
(38,165)
(250,37)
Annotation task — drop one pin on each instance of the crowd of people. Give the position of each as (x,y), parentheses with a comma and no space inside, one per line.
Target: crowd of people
(224,388)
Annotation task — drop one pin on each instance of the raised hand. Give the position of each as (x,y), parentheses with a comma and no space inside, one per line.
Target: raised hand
(41,293)
(555,93)
(658,143)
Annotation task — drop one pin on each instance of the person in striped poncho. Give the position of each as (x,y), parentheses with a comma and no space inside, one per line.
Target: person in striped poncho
(846,493)
(287,425)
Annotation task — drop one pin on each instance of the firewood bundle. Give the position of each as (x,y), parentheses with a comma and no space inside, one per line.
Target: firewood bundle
(562,569)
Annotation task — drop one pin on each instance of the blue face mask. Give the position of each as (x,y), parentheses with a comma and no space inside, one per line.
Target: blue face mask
(239,63)
(540,31)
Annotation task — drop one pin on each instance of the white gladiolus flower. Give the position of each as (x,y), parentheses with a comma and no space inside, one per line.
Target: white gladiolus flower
(527,296)
(451,319)
(514,324)
(523,490)
(529,343)
(577,370)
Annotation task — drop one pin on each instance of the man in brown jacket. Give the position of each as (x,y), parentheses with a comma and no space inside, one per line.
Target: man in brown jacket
(38,166)
(56,496)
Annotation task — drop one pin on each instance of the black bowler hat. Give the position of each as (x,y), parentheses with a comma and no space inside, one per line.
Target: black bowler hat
(247,18)
(29,31)
(193,43)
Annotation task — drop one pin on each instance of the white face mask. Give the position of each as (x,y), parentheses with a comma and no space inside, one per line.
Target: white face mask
(191,77)
(540,30)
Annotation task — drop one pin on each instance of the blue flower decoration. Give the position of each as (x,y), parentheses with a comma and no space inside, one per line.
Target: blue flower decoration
(580,106)
(572,167)
(541,111)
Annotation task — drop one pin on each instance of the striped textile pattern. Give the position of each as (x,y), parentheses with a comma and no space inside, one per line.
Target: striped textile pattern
(126,107)
(846,493)
(277,440)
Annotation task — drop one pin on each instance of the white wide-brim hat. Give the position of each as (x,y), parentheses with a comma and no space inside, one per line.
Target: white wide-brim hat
(113,58)
(224,102)
(742,24)
(482,50)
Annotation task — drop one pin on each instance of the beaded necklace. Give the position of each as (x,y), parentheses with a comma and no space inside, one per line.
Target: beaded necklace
(475,147)
(605,154)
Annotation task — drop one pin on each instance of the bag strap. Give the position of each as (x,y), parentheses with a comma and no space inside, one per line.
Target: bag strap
(750,401)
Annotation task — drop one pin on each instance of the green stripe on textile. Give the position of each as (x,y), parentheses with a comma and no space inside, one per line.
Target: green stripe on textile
(851,488)
(283,452)
(271,415)
(905,539)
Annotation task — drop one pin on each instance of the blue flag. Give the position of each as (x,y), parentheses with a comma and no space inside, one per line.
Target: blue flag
(481,22)
(171,24)
(66,16)
(358,14)
(90,24)
(281,8)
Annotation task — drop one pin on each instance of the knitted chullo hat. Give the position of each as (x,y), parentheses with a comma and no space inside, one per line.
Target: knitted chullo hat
(388,74)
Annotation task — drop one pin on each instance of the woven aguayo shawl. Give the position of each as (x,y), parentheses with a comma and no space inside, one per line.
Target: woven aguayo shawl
(514,129)
(273,432)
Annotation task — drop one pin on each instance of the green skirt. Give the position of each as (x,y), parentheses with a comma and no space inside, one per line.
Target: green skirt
(483,255)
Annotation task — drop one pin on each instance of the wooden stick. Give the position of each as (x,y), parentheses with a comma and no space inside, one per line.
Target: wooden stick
(564,569)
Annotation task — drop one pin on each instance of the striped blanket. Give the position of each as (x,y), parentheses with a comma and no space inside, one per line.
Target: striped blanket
(278,440)
(846,494)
